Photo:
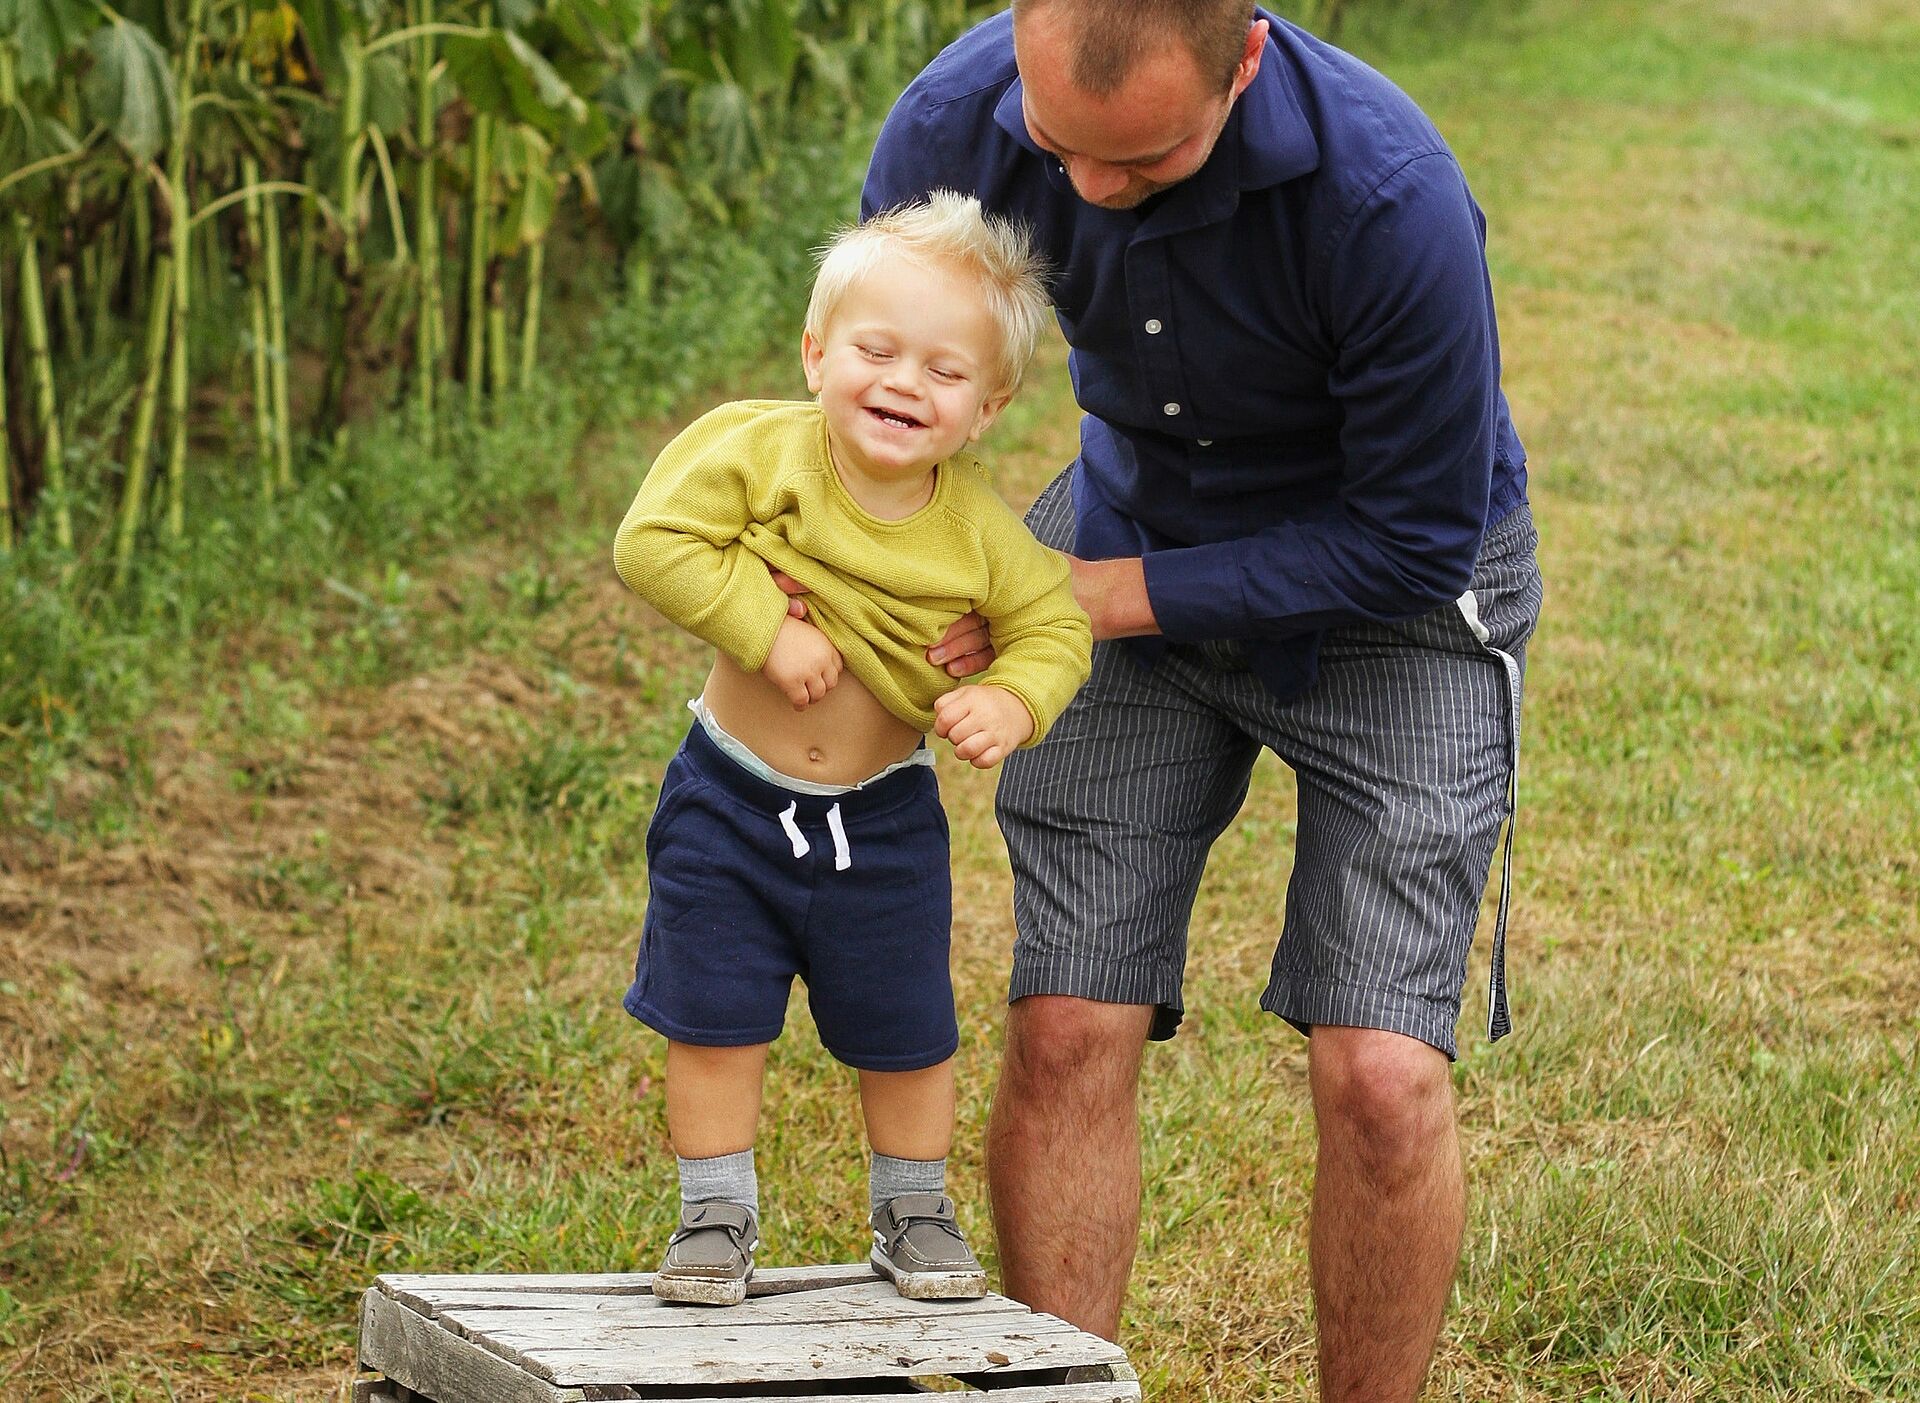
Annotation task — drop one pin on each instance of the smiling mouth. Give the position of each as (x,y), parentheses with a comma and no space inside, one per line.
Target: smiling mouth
(898,421)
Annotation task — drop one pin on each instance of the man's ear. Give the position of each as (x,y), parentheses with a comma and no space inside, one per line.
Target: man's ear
(1249,65)
(811,354)
(988,413)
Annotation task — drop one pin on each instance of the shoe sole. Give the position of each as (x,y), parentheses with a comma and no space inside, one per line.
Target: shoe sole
(931,1285)
(700,1291)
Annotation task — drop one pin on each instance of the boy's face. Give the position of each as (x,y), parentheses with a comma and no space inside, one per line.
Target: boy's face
(906,370)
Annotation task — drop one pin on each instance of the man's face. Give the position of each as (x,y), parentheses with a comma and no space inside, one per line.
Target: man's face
(1153,132)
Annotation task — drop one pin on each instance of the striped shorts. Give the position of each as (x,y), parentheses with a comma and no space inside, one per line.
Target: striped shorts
(1405,751)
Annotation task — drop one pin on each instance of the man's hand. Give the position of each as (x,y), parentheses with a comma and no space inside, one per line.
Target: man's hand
(985,724)
(802,664)
(793,589)
(965,648)
(1114,594)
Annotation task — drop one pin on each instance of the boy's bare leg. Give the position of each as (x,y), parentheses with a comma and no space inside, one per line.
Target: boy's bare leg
(713,1098)
(909,1114)
(1388,1210)
(1063,1155)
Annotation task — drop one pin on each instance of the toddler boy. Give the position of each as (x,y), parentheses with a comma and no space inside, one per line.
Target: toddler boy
(799,828)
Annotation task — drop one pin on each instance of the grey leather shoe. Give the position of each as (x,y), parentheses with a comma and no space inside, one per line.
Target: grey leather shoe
(919,1246)
(710,1257)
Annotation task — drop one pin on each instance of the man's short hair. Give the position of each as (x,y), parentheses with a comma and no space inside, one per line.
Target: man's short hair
(1114,35)
(996,253)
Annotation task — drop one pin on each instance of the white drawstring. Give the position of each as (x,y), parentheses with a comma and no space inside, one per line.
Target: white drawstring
(794,835)
(842,855)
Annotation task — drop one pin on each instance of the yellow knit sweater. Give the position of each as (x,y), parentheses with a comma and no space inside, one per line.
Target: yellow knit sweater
(751,485)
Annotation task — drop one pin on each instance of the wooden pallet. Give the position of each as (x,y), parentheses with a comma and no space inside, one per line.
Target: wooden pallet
(814,1332)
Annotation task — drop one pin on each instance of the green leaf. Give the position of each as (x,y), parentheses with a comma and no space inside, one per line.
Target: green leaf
(529,213)
(501,74)
(130,88)
(389,93)
(46,32)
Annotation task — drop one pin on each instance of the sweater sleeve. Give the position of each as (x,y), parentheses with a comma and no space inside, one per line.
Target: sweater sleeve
(1042,639)
(679,546)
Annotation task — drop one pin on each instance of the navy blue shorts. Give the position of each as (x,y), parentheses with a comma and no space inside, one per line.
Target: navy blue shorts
(750,884)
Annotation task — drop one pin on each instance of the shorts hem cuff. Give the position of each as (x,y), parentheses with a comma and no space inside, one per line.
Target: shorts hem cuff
(698,1037)
(913,1062)
(1306,1003)
(1109,982)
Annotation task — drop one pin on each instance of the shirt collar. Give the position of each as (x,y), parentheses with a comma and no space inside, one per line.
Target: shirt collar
(1267,140)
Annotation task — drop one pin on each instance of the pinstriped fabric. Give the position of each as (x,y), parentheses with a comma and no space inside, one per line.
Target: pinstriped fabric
(1404,755)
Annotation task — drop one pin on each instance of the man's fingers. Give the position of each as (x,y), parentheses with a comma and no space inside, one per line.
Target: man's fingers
(796,608)
(971,663)
(786,582)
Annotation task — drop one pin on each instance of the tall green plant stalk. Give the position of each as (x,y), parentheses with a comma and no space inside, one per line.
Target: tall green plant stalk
(53,450)
(426,232)
(257,320)
(353,103)
(133,490)
(530,319)
(497,326)
(6,466)
(277,345)
(479,240)
(182,248)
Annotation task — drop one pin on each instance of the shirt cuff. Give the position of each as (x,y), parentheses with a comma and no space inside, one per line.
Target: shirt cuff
(1196,593)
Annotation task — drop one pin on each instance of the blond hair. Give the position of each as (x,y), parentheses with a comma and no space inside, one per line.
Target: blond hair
(996,253)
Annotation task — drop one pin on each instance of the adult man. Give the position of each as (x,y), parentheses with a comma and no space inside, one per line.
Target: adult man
(1299,520)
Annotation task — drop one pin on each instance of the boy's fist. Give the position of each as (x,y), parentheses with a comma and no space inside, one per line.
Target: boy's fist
(985,724)
(802,664)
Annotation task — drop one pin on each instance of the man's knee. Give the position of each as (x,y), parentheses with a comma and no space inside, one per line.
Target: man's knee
(1389,1097)
(1068,1050)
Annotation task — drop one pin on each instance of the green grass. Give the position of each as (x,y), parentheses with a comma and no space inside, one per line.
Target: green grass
(311,969)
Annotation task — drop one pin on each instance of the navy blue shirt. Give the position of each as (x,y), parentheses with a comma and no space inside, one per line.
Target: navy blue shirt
(1288,361)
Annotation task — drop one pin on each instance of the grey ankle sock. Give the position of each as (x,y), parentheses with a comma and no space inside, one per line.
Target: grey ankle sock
(892,1177)
(729,1178)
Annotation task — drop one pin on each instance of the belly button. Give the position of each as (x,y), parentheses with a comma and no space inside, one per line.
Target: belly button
(813,754)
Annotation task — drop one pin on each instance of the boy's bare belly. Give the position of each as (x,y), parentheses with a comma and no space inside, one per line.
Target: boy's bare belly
(843,738)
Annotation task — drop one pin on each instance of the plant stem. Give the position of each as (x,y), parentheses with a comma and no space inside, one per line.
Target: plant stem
(182,249)
(140,444)
(53,452)
(426,231)
(479,237)
(257,319)
(530,320)
(277,338)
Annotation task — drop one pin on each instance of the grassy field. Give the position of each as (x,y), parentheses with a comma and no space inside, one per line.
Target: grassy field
(315,974)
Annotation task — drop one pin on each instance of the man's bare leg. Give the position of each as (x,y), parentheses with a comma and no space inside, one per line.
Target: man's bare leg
(1063,1156)
(1389,1206)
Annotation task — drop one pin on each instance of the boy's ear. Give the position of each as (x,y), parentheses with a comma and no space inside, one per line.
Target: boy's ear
(989,411)
(811,354)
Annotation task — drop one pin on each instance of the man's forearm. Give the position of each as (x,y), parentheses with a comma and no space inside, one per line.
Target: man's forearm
(1114,594)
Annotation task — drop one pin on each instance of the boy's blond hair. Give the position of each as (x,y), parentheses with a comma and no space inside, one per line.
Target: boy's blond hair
(996,253)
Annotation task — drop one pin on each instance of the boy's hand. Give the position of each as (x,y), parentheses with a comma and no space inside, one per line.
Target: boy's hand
(985,724)
(802,664)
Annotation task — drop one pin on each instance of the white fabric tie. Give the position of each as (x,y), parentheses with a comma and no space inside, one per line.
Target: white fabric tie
(794,835)
(842,854)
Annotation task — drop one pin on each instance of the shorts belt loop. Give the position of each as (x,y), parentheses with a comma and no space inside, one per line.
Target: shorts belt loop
(842,854)
(794,835)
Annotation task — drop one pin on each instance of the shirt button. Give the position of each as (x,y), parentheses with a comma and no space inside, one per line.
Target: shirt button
(1170,408)
(1204,442)
(1153,326)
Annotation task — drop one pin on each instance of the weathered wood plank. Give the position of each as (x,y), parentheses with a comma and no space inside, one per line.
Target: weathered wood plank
(968,1344)
(1119,1392)
(874,1302)
(767,1281)
(411,1350)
